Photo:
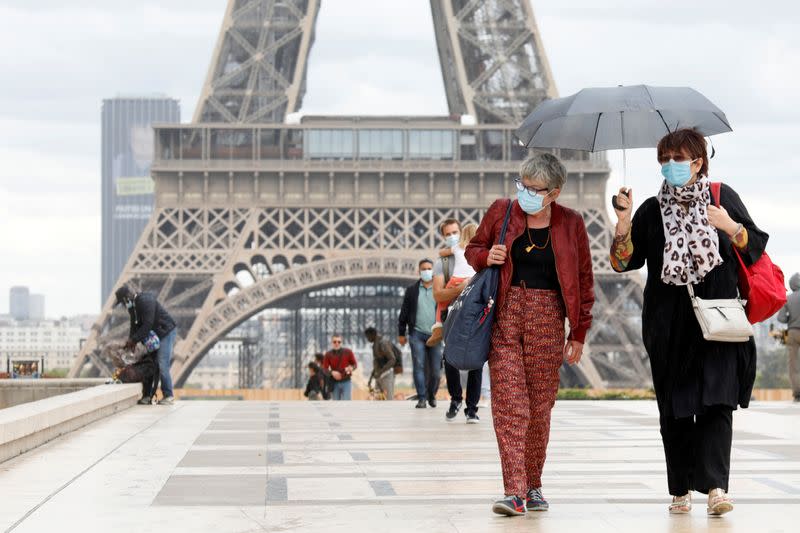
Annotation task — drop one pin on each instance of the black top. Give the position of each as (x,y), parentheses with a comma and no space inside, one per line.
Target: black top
(147,315)
(689,372)
(408,311)
(536,268)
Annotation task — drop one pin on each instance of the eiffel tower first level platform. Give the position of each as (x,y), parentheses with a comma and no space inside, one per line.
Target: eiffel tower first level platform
(252,211)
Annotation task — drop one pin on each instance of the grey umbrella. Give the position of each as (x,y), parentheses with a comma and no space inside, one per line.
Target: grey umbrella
(607,118)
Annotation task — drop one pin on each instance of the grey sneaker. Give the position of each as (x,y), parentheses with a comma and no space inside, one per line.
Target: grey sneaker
(534,500)
(145,400)
(169,400)
(509,506)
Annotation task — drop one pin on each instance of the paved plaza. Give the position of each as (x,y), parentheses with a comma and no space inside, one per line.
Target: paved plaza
(368,466)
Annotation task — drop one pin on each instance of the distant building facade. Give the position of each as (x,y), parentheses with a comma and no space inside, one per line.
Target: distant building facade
(127,189)
(219,369)
(57,341)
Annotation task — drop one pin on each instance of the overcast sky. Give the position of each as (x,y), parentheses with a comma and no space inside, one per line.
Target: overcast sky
(370,57)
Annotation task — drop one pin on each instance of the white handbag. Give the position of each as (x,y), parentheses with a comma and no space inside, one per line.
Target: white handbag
(721,320)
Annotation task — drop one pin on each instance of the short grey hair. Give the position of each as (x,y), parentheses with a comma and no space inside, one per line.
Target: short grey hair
(545,167)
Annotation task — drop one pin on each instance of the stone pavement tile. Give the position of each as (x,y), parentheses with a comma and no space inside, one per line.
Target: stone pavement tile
(240,425)
(242,437)
(213,490)
(382,469)
(316,489)
(428,456)
(467,486)
(317,457)
(122,519)
(252,457)
(790,452)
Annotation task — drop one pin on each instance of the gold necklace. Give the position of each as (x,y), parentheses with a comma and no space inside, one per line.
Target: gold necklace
(533,246)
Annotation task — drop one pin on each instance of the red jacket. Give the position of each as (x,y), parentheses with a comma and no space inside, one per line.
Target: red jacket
(339,362)
(571,250)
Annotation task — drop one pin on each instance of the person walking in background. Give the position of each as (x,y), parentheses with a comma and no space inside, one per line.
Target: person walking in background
(315,387)
(684,239)
(790,315)
(146,315)
(417,316)
(383,361)
(340,362)
(461,274)
(545,276)
(443,270)
(319,358)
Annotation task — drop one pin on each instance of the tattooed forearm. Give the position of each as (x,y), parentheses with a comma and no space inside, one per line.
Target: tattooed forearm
(740,238)
(621,252)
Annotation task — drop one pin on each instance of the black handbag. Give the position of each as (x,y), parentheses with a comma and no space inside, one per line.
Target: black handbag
(468,328)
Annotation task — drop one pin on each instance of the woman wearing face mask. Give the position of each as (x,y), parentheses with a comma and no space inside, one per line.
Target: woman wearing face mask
(545,277)
(684,239)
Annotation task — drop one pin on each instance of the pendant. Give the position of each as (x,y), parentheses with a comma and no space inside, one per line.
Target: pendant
(529,248)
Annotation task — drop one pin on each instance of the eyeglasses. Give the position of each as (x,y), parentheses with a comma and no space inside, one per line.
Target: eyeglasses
(678,158)
(336,342)
(533,191)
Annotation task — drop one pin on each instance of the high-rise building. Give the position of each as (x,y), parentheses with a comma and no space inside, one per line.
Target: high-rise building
(19,303)
(127,190)
(36,307)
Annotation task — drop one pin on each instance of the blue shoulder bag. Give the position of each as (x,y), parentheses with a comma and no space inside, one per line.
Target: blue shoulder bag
(468,327)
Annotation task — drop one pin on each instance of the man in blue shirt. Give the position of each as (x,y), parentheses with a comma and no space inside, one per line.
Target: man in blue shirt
(417,317)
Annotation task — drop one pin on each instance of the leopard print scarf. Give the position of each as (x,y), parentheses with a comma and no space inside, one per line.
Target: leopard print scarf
(692,243)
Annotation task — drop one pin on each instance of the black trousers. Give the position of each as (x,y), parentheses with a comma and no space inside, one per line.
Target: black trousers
(698,450)
(474,378)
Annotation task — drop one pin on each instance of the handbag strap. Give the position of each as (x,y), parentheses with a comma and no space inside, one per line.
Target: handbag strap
(716,187)
(505,223)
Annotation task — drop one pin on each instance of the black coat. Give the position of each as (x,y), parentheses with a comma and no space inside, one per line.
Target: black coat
(317,383)
(149,315)
(408,311)
(690,373)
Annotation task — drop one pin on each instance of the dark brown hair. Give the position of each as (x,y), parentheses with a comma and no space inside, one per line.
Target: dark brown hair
(689,140)
(447,222)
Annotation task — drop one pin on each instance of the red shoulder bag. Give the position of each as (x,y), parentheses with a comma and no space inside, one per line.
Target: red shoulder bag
(761,284)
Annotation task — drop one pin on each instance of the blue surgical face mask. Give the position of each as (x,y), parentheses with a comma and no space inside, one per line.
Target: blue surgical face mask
(677,174)
(529,203)
(426,275)
(452,240)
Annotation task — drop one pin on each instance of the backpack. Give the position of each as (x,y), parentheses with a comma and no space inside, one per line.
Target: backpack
(468,328)
(398,359)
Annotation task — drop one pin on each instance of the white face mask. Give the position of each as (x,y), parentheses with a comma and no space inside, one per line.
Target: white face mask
(426,275)
(129,304)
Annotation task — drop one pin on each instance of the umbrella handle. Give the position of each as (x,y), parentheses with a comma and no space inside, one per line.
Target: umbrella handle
(616,205)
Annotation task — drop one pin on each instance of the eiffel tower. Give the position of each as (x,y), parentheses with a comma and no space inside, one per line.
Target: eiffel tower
(254,212)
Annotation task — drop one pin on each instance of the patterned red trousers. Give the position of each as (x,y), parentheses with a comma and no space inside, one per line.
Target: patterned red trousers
(526,354)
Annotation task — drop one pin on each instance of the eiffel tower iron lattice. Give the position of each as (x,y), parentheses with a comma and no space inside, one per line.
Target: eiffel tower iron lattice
(251,211)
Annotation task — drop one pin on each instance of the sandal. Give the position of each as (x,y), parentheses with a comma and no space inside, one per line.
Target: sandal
(681,504)
(718,502)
